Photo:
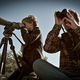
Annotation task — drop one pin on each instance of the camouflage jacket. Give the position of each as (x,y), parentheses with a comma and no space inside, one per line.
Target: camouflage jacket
(32,40)
(69,58)
(33,45)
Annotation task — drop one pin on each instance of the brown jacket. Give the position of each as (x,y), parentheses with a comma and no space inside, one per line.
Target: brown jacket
(33,45)
(32,49)
(69,58)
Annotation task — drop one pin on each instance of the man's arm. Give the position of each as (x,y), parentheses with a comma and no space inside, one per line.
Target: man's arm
(30,38)
(53,42)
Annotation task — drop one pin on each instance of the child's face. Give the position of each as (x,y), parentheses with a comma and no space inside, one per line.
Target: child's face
(29,26)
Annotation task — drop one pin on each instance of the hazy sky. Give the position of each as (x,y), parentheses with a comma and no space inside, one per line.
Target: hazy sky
(16,10)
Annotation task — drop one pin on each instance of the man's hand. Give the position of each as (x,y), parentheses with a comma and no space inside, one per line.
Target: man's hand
(72,23)
(58,21)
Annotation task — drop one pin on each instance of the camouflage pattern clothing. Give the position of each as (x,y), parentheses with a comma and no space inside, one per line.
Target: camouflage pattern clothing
(32,49)
(69,56)
(33,45)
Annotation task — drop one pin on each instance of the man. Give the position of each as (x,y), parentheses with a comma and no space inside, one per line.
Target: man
(32,49)
(67,44)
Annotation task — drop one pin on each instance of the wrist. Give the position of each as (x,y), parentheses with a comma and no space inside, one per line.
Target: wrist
(75,27)
(58,25)
(77,30)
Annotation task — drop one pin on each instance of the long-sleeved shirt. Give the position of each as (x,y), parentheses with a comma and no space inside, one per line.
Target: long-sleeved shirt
(69,58)
(33,43)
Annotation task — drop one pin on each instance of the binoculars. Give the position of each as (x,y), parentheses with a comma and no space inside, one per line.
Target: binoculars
(61,14)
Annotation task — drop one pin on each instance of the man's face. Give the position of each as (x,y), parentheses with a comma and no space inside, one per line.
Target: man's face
(66,24)
(29,26)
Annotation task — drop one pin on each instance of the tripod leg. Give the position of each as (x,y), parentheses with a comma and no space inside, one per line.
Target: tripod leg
(3,58)
(13,49)
(2,41)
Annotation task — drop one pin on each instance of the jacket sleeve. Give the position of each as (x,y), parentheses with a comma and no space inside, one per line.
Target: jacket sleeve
(77,31)
(53,42)
(30,38)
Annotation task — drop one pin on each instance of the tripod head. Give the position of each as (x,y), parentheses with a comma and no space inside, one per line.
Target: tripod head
(9,27)
(8,32)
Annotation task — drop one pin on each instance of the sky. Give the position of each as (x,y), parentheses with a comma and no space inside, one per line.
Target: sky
(16,10)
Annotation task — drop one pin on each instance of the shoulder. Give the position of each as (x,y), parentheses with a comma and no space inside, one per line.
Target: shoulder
(36,29)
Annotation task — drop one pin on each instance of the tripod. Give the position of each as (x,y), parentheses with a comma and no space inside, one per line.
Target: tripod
(4,41)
